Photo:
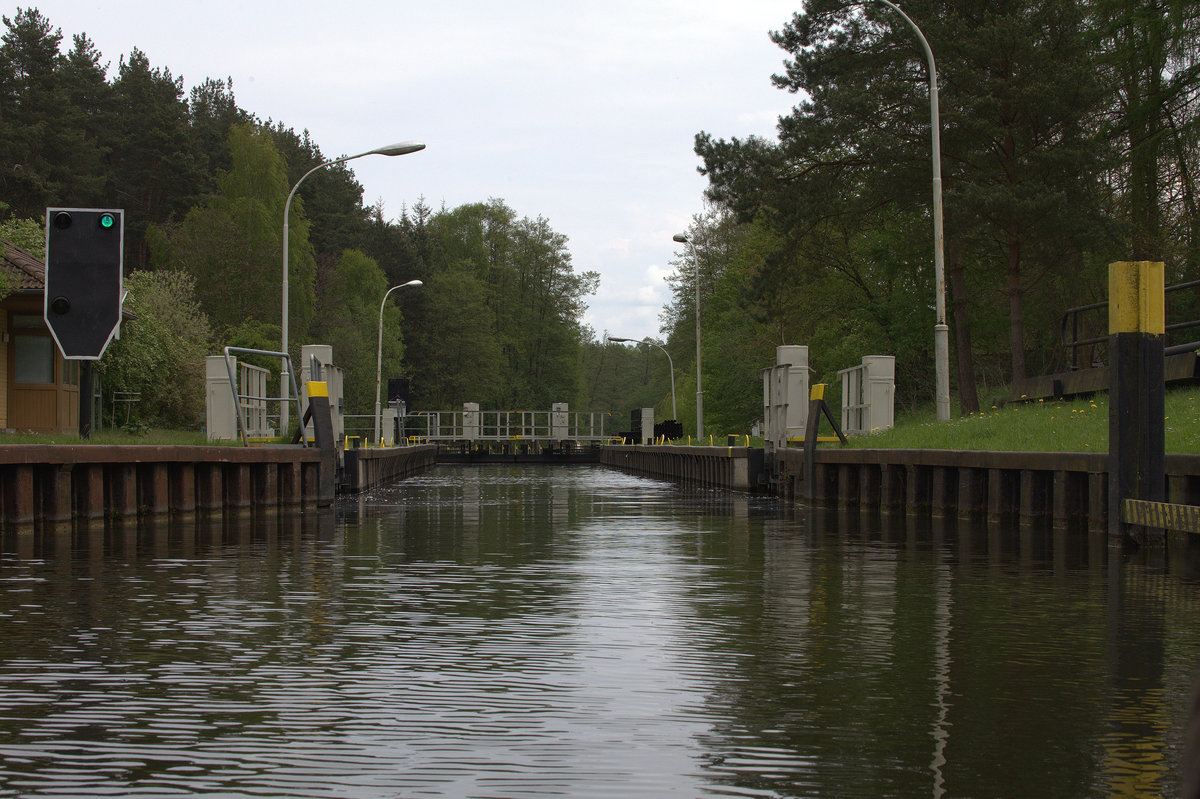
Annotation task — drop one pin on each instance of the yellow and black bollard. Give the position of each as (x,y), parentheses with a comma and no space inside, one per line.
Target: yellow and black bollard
(816,407)
(1136,425)
(322,420)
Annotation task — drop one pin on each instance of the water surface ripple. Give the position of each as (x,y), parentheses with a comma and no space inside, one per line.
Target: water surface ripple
(577,632)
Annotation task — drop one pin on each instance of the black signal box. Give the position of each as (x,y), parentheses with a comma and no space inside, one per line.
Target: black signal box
(84,262)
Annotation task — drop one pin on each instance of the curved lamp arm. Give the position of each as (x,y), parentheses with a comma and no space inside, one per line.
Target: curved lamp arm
(379,356)
(399,148)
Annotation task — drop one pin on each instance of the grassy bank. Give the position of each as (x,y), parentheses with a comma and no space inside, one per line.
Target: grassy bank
(1079,425)
(110,437)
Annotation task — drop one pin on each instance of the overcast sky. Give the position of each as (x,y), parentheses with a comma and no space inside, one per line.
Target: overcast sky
(584,114)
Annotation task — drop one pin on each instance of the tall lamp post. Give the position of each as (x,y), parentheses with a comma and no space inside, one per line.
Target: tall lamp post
(400,148)
(941,333)
(379,355)
(683,239)
(670,363)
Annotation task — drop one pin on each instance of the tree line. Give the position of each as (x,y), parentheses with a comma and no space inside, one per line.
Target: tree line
(204,182)
(1069,134)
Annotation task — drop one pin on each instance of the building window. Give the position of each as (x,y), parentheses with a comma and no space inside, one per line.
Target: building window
(28,321)
(34,358)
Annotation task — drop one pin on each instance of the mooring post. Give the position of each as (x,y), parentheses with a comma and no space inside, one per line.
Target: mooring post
(1136,425)
(319,410)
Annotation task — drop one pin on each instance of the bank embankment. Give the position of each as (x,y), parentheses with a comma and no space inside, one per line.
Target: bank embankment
(1059,487)
(732,468)
(55,483)
(364,469)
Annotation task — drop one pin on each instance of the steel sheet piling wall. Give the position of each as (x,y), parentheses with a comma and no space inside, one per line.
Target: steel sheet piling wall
(1062,488)
(733,468)
(367,468)
(55,483)
(1058,487)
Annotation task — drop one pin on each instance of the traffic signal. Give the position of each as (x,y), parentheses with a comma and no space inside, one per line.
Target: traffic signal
(83,278)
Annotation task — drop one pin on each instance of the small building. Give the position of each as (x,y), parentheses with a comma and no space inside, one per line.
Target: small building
(40,389)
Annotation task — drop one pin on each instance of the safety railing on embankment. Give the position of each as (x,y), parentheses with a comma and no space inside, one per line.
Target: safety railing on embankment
(56,483)
(479,427)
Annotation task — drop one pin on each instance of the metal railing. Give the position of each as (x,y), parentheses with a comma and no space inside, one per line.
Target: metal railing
(1069,331)
(358,429)
(126,398)
(252,406)
(435,426)
(856,404)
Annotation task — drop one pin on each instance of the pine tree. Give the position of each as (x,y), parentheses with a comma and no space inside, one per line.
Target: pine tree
(847,186)
(46,158)
(153,166)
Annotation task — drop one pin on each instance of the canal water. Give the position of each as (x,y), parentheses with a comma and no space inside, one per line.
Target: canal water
(524,631)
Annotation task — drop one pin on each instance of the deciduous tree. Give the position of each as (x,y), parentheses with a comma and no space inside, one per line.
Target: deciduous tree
(232,243)
(160,354)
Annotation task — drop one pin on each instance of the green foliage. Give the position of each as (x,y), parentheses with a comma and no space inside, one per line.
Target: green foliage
(24,233)
(204,184)
(232,245)
(255,335)
(119,436)
(464,361)
(622,378)
(758,293)
(499,322)
(1069,139)
(1148,53)
(43,135)
(160,354)
(27,234)
(153,165)
(212,112)
(349,321)
(1036,187)
(331,196)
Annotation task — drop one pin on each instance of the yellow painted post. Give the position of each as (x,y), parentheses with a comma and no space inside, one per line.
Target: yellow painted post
(1136,291)
(1136,424)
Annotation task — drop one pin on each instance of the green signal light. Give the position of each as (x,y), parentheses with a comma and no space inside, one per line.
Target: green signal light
(107,221)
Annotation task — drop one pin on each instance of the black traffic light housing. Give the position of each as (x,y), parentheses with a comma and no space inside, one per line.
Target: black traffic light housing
(84,261)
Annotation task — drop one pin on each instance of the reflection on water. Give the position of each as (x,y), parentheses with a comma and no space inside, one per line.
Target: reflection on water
(541,631)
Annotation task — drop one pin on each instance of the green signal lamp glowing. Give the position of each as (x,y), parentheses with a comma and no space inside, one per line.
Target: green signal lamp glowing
(107,221)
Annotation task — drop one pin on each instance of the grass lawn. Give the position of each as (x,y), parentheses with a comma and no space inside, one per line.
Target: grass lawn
(1079,425)
(110,437)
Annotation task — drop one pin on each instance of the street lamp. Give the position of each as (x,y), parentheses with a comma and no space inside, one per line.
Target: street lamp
(670,363)
(941,333)
(683,239)
(379,354)
(400,148)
